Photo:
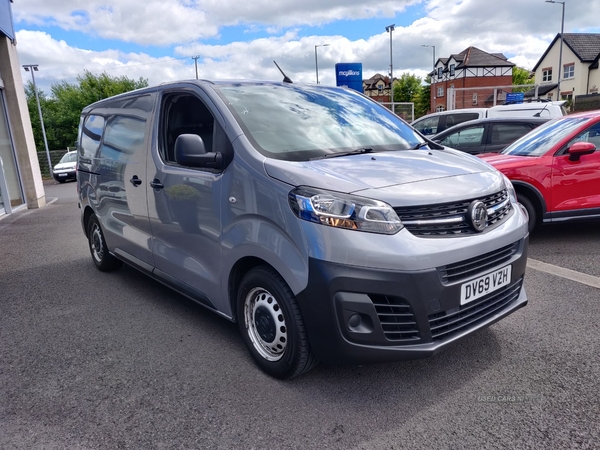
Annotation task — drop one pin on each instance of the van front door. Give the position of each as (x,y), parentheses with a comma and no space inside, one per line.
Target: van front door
(184,203)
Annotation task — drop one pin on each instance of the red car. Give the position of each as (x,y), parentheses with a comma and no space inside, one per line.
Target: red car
(555,169)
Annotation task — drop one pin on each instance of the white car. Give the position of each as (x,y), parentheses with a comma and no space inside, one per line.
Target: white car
(66,169)
(435,123)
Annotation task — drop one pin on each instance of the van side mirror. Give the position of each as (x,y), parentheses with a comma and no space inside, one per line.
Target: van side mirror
(578,149)
(190,151)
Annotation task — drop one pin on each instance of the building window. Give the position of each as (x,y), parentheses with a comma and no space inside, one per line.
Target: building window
(569,70)
(439,108)
(547,74)
(440,91)
(380,89)
(475,99)
(440,70)
(566,95)
(451,70)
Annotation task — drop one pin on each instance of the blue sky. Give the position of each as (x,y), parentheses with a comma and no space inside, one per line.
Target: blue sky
(240,39)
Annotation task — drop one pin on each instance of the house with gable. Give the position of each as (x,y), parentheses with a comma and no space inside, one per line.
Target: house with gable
(377,87)
(474,76)
(579,74)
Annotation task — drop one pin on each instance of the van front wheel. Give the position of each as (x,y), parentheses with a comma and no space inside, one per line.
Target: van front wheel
(271,324)
(103,260)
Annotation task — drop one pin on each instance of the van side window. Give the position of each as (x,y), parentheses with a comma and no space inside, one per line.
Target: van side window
(185,114)
(91,134)
(123,137)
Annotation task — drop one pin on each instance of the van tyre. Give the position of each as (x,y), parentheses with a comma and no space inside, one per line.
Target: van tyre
(102,258)
(528,205)
(271,324)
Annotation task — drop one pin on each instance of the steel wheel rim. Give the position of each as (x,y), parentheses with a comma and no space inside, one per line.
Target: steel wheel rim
(265,324)
(96,243)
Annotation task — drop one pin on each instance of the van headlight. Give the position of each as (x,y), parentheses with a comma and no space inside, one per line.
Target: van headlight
(512,194)
(344,211)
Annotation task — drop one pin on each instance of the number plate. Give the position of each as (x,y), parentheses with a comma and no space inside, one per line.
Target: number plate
(477,288)
(62,174)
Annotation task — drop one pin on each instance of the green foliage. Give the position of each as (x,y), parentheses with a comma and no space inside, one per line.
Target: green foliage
(406,88)
(411,88)
(521,76)
(423,99)
(61,111)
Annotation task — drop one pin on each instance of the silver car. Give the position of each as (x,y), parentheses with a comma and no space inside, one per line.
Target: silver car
(320,222)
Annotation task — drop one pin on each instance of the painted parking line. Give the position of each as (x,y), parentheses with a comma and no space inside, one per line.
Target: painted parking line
(582,278)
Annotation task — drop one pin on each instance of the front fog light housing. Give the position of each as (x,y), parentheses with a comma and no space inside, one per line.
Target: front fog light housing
(344,211)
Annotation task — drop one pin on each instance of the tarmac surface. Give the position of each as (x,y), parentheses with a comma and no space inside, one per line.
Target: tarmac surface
(90,360)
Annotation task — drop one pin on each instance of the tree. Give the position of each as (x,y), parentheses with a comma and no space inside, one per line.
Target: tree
(406,87)
(410,88)
(62,110)
(521,76)
(423,99)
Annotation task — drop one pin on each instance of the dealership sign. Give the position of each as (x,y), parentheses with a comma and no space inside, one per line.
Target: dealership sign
(349,75)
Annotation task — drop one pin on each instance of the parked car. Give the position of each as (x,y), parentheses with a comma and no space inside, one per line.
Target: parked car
(555,169)
(312,216)
(432,124)
(487,135)
(66,169)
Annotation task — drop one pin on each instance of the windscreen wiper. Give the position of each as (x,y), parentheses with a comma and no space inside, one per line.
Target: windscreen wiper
(420,145)
(358,151)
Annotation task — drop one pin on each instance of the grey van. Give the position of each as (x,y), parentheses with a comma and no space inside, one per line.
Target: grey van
(320,222)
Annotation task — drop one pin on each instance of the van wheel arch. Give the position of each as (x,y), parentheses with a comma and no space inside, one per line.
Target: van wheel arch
(86,219)
(237,273)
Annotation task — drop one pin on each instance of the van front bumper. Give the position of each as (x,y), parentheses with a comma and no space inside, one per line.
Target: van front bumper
(359,315)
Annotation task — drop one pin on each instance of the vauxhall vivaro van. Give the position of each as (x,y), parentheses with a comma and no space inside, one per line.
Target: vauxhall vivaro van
(316,219)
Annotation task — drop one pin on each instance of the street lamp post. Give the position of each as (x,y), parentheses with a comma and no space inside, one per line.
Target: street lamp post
(195,58)
(390,29)
(432,77)
(317,61)
(562,27)
(432,46)
(34,68)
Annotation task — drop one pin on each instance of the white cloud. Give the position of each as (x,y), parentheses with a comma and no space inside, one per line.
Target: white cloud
(60,62)
(521,30)
(160,22)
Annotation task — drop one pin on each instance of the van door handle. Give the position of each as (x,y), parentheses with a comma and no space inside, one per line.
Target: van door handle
(135,180)
(156,184)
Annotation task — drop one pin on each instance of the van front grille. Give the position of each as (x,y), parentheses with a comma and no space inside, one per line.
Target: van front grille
(450,219)
(447,323)
(472,267)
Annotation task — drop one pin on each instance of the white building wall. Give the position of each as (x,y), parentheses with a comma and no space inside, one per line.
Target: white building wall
(20,123)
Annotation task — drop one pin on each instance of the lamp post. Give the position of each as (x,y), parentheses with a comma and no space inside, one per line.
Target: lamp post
(433,46)
(317,61)
(562,27)
(431,102)
(34,68)
(390,29)
(195,58)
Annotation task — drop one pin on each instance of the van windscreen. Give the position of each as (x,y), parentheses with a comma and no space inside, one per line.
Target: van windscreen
(299,122)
